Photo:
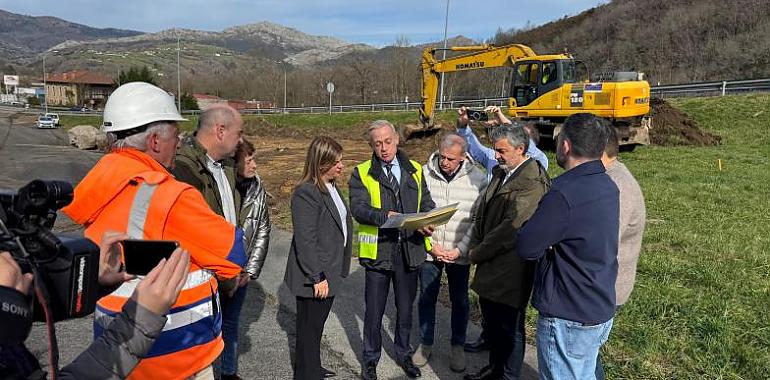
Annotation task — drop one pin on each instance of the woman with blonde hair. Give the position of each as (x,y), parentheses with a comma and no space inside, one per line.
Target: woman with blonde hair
(320,251)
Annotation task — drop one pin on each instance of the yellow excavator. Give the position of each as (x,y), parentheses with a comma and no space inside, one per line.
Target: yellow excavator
(547,89)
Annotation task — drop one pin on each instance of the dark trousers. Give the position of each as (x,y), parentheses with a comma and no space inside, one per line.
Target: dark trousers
(505,329)
(311,317)
(376,296)
(430,284)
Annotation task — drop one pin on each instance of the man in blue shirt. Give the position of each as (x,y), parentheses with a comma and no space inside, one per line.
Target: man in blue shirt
(573,235)
(485,155)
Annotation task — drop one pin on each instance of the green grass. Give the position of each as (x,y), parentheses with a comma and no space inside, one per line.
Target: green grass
(67,121)
(701,305)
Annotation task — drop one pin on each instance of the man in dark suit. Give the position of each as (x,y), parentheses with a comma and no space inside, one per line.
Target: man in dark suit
(503,281)
(388,184)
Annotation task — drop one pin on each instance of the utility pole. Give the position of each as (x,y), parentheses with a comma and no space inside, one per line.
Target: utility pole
(178,76)
(284,85)
(443,57)
(45,87)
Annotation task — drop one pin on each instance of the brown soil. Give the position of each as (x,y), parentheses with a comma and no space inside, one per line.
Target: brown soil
(281,150)
(281,156)
(671,126)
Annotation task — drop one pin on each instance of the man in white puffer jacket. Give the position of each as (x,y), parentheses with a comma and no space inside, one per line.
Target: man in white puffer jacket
(452,177)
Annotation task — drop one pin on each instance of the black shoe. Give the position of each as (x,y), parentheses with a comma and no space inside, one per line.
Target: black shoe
(477,346)
(326,373)
(369,371)
(231,377)
(482,374)
(409,368)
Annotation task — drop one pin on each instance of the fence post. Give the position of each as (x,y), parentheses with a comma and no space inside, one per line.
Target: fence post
(724,87)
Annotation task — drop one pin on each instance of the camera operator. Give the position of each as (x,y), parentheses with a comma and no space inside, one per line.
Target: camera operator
(130,335)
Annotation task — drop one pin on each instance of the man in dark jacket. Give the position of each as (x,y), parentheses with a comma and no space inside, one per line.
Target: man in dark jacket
(503,281)
(388,184)
(573,235)
(205,160)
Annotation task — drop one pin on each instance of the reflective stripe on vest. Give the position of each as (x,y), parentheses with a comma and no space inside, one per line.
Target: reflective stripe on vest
(368,234)
(192,320)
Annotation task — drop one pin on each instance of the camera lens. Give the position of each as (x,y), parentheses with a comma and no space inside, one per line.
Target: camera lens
(40,196)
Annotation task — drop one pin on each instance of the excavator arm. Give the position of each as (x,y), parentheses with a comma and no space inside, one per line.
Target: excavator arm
(479,57)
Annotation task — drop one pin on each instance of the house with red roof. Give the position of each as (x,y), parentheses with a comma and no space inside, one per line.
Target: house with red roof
(78,88)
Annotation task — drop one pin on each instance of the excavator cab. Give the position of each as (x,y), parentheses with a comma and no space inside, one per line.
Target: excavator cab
(533,78)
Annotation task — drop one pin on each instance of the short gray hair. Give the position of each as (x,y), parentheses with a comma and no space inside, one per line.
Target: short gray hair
(377,124)
(451,139)
(515,135)
(139,141)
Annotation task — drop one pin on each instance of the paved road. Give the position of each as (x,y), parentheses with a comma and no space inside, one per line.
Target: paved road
(267,333)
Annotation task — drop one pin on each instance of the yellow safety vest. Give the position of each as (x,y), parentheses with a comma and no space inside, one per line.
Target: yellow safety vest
(367,234)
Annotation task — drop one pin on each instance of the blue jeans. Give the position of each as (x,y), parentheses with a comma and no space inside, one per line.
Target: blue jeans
(231,311)
(567,349)
(430,283)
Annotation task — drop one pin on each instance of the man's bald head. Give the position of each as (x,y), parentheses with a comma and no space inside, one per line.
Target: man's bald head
(218,114)
(219,130)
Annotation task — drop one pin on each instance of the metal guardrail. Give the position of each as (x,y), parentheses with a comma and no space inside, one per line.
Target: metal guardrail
(712,88)
(675,90)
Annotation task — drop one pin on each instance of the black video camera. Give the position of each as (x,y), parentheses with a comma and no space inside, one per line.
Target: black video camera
(66,268)
(476,115)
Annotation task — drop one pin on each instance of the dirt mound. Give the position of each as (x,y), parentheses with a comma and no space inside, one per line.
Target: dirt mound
(670,126)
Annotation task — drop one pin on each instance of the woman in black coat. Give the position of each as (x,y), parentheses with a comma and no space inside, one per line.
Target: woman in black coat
(320,251)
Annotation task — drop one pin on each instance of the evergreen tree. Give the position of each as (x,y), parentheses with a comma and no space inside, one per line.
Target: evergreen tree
(135,74)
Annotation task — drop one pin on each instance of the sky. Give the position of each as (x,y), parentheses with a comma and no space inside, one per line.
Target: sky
(378,23)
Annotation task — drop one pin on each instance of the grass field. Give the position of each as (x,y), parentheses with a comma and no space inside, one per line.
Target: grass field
(701,306)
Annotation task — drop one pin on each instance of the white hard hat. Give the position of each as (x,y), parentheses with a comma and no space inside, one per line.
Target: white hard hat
(136,104)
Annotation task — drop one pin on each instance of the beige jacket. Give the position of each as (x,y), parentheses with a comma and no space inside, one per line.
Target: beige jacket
(632,219)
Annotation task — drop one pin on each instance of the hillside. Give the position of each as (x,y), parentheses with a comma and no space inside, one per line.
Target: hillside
(23,36)
(671,41)
(263,39)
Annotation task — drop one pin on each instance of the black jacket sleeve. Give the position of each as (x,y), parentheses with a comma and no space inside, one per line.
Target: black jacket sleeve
(306,205)
(360,203)
(117,352)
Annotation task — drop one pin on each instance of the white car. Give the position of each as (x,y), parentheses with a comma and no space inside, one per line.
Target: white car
(55,117)
(45,122)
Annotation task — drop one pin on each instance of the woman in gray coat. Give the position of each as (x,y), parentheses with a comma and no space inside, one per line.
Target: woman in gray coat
(320,251)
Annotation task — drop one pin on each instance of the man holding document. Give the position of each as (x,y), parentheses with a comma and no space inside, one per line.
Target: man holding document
(389,184)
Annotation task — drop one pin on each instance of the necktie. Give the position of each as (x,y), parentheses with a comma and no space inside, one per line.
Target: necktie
(393,184)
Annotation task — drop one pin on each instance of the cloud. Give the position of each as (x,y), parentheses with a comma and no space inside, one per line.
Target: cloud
(373,22)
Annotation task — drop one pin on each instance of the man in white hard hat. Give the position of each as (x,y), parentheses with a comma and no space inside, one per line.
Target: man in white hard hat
(131,190)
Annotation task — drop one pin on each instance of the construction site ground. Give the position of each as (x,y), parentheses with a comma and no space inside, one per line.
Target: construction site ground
(281,147)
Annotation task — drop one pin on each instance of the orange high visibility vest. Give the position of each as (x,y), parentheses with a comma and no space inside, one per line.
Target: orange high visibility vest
(150,204)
